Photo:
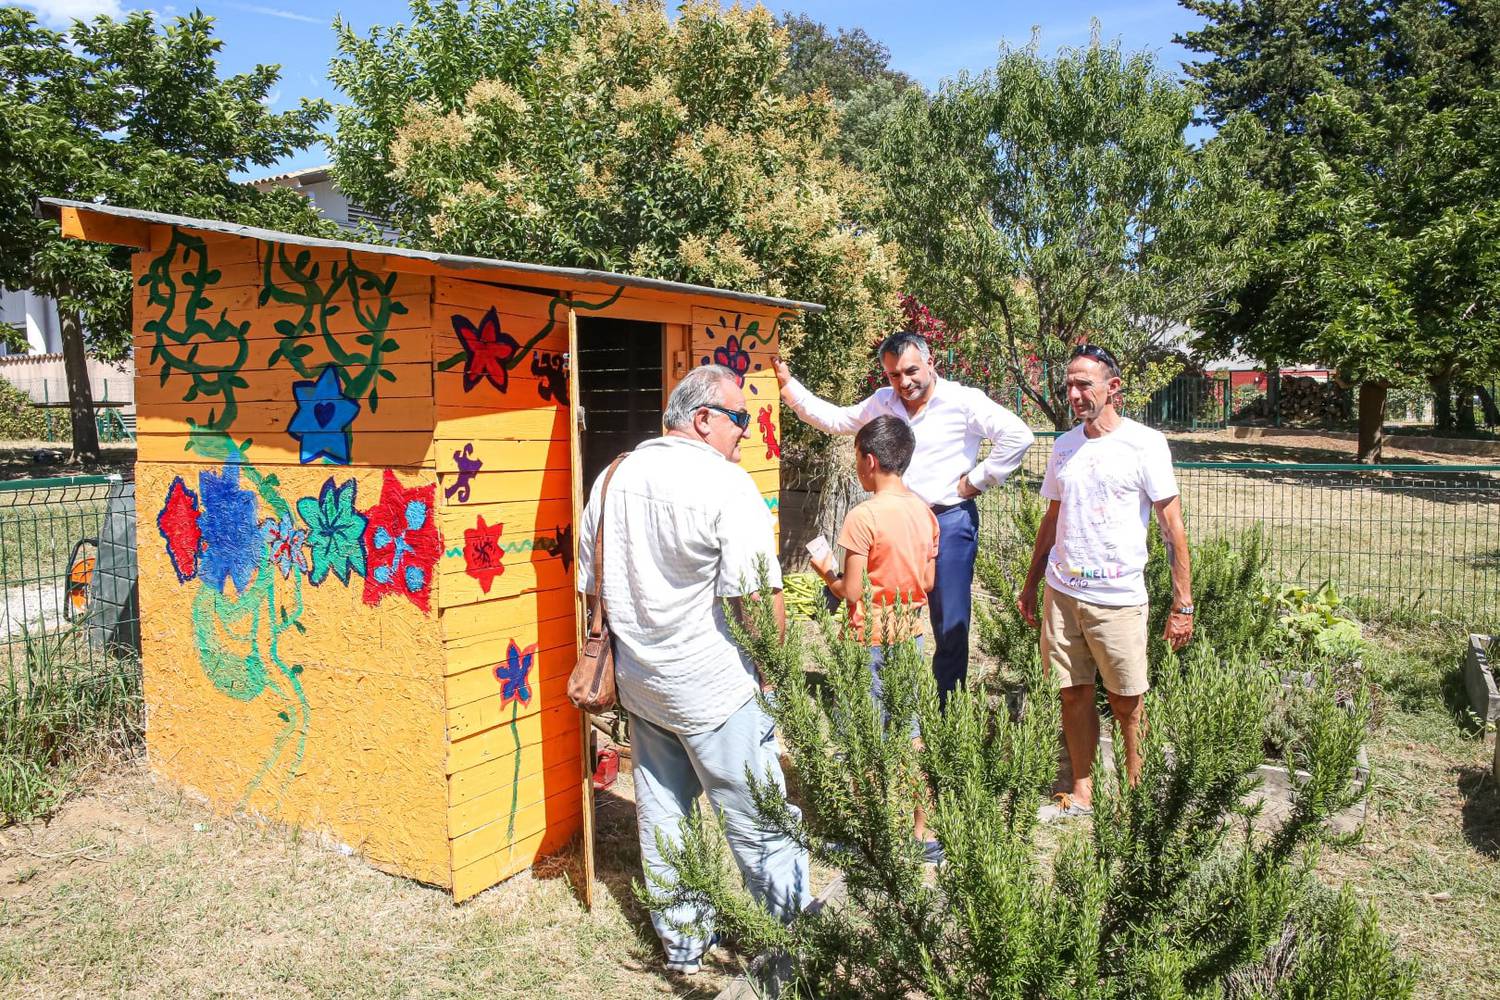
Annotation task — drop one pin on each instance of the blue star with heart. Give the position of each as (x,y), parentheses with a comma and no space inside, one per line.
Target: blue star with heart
(323,418)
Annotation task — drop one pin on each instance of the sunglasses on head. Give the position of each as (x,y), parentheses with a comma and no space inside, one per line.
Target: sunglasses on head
(740,418)
(1098,354)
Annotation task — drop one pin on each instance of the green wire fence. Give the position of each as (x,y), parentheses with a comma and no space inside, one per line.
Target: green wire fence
(1420,539)
(68,569)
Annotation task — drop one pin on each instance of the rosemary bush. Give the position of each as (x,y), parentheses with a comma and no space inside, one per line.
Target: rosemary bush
(1171,892)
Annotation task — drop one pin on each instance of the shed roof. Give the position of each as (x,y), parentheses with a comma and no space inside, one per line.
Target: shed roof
(55,207)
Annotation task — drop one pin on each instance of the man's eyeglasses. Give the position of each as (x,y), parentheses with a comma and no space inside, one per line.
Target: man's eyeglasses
(741,418)
(1098,354)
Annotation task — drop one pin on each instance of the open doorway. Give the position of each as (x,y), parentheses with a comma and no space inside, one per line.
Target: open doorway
(618,378)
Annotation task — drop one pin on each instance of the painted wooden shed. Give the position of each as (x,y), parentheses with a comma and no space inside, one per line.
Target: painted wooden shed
(358,473)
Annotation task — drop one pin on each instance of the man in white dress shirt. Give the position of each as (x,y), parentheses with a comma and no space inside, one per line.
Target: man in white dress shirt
(949,421)
(684,528)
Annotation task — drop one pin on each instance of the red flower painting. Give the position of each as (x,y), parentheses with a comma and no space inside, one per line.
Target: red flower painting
(488,350)
(734,357)
(401,543)
(483,556)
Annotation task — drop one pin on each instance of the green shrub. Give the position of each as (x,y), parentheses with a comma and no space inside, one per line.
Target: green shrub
(20,418)
(1229,579)
(1170,894)
(1310,620)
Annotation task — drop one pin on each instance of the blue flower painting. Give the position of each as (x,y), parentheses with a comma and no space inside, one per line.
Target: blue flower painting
(515,673)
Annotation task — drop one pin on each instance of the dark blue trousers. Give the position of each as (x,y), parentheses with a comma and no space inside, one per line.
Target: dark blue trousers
(952,594)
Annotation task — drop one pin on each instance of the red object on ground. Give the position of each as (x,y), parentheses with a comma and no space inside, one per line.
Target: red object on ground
(606,768)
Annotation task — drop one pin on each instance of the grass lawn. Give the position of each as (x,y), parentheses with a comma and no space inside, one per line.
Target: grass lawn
(1430,857)
(133,889)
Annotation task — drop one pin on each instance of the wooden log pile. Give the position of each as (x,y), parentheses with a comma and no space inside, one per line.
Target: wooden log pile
(1304,400)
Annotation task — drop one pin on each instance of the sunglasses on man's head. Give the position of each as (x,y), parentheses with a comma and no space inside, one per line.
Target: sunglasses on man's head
(1098,354)
(741,418)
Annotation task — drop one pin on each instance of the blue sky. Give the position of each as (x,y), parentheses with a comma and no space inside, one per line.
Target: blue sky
(929,40)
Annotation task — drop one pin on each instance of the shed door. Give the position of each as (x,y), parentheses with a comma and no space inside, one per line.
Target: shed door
(617,396)
(618,368)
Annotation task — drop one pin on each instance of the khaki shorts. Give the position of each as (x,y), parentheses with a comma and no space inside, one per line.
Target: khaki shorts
(1079,638)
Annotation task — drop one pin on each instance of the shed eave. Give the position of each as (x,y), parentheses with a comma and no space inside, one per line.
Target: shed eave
(54,207)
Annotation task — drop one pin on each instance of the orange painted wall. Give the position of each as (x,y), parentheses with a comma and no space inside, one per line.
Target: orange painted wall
(502,440)
(356,550)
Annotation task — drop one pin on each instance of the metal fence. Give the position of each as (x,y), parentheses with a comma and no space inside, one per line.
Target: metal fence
(68,568)
(1424,539)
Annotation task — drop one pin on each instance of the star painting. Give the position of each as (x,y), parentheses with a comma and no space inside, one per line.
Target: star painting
(488,350)
(322,422)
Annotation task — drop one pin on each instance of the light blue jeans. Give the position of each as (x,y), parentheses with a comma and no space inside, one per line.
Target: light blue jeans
(671,771)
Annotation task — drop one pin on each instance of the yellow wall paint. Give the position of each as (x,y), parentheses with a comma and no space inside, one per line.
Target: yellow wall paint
(359,752)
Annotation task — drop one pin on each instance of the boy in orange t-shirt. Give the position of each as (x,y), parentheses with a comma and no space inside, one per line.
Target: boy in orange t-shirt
(893,536)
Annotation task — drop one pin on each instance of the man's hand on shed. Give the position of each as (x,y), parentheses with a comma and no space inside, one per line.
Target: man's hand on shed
(783,373)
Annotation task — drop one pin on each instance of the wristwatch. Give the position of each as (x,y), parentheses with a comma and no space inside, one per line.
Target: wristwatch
(1186,609)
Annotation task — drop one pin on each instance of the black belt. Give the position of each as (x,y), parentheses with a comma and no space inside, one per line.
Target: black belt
(943,508)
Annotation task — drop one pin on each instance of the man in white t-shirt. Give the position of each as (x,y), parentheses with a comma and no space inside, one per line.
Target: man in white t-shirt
(1103,479)
(684,527)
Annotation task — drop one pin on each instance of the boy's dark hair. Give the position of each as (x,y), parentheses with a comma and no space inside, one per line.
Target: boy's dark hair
(889,440)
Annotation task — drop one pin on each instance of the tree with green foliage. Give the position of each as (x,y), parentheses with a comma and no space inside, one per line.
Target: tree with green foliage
(135,114)
(614,136)
(1170,892)
(1377,156)
(1052,201)
(856,71)
(843,61)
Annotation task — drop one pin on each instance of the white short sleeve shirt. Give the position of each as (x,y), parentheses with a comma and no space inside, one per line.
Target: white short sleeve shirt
(683,529)
(1105,487)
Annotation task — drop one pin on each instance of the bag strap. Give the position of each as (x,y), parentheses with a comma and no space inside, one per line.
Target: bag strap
(597,627)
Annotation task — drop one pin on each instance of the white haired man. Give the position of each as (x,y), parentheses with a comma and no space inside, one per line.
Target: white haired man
(684,528)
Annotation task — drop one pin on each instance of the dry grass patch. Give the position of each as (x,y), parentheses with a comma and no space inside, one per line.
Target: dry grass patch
(135,890)
(1430,856)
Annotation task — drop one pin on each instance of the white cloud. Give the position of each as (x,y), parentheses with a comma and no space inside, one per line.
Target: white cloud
(287,15)
(64,12)
(270,99)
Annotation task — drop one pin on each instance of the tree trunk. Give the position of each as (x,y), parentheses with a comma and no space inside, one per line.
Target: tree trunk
(1465,407)
(1487,404)
(80,394)
(1442,404)
(1371,421)
(1273,392)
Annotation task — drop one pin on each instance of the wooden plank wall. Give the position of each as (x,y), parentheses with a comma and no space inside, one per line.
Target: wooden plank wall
(501,439)
(289,543)
(745,342)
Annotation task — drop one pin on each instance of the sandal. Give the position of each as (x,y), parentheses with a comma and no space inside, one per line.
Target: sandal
(1066,806)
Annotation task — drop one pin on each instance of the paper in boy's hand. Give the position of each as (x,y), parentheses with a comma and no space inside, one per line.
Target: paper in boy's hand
(821,553)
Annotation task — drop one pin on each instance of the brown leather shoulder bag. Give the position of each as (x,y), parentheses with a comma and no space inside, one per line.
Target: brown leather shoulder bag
(592,684)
